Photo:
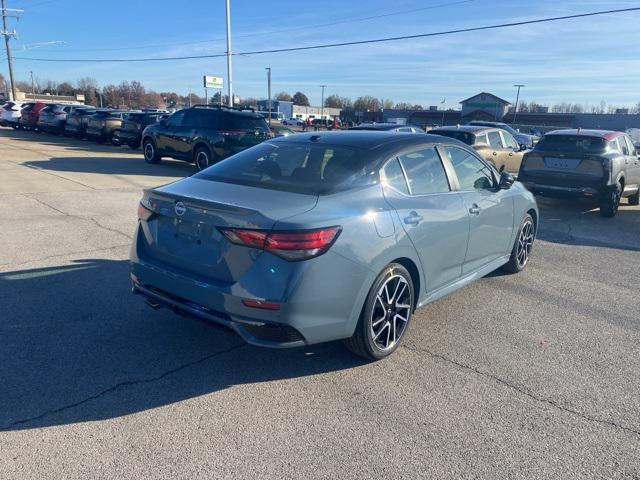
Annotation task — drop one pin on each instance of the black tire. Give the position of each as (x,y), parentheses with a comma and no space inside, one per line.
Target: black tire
(150,151)
(635,198)
(367,342)
(203,158)
(610,202)
(522,247)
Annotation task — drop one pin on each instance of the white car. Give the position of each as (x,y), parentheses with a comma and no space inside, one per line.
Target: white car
(10,113)
(292,121)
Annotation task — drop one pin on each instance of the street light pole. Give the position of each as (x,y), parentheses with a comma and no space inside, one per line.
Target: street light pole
(268,69)
(33,90)
(229,70)
(322,103)
(515,112)
(5,12)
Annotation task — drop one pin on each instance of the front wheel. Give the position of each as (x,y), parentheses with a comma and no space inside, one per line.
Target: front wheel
(522,249)
(150,152)
(385,316)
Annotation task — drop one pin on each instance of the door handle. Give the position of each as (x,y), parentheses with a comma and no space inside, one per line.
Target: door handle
(413,219)
(475,209)
(511,154)
(495,154)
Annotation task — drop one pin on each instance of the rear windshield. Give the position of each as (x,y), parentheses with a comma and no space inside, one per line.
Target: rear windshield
(108,114)
(466,137)
(242,122)
(571,144)
(295,167)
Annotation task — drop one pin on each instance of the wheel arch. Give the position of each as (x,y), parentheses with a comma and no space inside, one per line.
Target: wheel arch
(415,276)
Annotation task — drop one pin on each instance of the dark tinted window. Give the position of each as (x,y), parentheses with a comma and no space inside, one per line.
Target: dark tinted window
(201,117)
(472,173)
(425,172)
(293,167)
(494,139)
(571,144)
(176,119)
(244,122)
(465,137)
(394,176)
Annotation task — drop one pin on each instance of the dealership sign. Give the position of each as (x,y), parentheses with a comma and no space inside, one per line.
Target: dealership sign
(213,82)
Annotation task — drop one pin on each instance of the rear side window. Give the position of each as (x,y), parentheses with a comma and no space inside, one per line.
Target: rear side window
(482,139)
(472,173)
(425,173)
(465,137)
(244,122)
(394,176)
(296,168)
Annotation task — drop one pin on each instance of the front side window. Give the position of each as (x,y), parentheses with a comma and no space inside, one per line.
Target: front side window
(623,146)
(632,149)
(393,176)
(509,141)
(425,173)
(176,119)
(494,139)
(472,173)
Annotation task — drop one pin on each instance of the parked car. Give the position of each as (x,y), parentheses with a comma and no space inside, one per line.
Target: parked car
(132,127)
(495,145)
(30,114)
(634,135)
(54,117)
(204,135)
(325,122)
(525,140)
(10,113)
(103,123)
(282,131)
(594,164)
(293,121)
(325,236)
(76,124)
(388,127)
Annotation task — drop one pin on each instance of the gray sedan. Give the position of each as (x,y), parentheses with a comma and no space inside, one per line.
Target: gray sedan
(326,236)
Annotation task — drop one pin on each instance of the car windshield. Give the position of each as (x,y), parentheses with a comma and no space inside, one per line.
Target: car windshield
(466,137)
(296,168)
(571,144)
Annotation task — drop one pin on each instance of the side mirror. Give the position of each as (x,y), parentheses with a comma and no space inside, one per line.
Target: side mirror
(523,148)
(506,181)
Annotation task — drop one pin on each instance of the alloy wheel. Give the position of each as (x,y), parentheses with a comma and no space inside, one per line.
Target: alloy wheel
(148,151)
(202,160)
(391,312)
(525,243)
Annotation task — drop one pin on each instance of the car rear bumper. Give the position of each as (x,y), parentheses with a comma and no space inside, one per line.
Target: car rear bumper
(567,191)
(320,300)
(127,137)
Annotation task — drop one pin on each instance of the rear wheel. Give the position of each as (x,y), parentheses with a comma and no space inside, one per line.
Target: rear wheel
(385,316)
(610,202)
(523,246)
(203,158)
(150,152)
(635,198)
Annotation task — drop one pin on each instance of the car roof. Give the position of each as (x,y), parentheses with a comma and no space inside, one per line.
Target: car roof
(380,126)
(486,122)
(366,139)
(463,128)
(606,134)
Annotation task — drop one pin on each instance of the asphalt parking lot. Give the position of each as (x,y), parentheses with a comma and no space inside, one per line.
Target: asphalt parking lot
(529,376)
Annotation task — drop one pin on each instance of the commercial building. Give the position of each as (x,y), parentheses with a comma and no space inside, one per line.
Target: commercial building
(279,108)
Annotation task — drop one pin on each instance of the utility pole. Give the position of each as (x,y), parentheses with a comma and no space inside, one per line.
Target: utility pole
(33,90)
(322,102)
(229,70)
(515,112)
(268,69)
(7,12)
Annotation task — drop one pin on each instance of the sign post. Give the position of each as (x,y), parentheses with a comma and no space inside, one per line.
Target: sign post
(212,82)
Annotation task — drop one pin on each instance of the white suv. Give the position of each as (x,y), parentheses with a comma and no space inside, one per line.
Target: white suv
(10,113)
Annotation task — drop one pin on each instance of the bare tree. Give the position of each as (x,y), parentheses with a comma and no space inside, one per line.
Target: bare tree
(283,97)
(367,103)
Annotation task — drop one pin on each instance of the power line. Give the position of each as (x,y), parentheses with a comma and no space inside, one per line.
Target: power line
(339,44)
(273,32)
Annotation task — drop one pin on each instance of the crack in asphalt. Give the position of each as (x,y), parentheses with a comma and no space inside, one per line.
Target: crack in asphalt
(523,391)
(120,385)
(91,219)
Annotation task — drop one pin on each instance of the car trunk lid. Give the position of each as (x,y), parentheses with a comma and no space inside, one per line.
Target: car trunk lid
(184,232)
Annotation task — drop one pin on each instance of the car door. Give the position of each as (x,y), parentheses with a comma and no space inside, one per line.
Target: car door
(490,209)
(513,153)
(432,214)
(634,163)
(498,151)
(165,135)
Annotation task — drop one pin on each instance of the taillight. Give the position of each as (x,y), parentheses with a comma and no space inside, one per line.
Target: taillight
(144,210)
(230,132)
(270,134)
(290,245)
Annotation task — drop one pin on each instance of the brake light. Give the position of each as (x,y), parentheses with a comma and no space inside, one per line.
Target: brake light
(144,213)
(230,132)
(290,245)
(249,302)
(270,134)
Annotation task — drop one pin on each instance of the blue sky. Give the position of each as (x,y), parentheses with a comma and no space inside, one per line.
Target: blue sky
(589,60)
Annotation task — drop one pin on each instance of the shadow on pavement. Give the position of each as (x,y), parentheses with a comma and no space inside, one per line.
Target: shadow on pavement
(77,346)
(575,222)
(114,165)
